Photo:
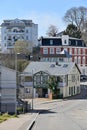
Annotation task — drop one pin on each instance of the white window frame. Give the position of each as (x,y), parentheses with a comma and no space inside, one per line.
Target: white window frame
(83,60)
(70,51)
(58,50)
(75,51)
(75,59)
(45,50)
(51,50)
(79,51)
(51,42)
(79,60)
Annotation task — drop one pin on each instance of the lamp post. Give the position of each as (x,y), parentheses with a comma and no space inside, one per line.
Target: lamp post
(16,68)
(32,90)
(16,83)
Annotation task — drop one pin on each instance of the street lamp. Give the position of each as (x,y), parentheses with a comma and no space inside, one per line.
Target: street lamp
(16,68)
(32,90)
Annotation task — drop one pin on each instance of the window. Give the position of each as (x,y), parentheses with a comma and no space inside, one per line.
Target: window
(75,59)
(78,78)
(26,37)
(74,89)
(78,90)
(83,60)
(79,60)
(76,43)
(51,50)
(22,37)
(5,44)
(58,50)
(5,38)
(38,79)
(9,37)
(44,79)
(75,51)
(65,41)
(69,42)
(78,50)
(45,50)
(51,42)
(26,31)
(73,78)
(70,50)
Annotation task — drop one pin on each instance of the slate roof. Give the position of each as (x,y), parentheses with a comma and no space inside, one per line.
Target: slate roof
(50,67)
(57,41)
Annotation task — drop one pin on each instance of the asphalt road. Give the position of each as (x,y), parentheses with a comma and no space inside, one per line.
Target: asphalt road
(69,114)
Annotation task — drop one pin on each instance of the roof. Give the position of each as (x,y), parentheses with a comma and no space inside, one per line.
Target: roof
(6,68)
(51,68)
(57,41)
(17,22)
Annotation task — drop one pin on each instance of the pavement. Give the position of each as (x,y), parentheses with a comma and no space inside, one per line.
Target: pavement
(25,121)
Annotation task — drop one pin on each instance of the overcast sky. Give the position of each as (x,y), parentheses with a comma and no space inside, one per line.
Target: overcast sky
(42,12)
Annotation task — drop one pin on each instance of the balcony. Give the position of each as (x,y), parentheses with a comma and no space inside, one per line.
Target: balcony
(18,32)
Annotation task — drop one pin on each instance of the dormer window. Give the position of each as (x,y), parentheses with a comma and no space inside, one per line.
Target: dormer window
(65,41)
(51,42)
(69,42)
(76,43)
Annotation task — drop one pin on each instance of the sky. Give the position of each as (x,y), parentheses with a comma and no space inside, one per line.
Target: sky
(41,12)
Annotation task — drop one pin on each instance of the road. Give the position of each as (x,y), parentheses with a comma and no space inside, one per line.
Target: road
(69,114)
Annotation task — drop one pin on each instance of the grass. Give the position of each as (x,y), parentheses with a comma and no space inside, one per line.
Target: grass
(4,117)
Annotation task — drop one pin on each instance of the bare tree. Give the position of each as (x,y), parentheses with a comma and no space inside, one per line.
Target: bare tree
(23,47)
(52,31)
(76,16)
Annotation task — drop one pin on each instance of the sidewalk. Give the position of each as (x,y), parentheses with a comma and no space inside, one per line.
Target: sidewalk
(20,123)
(24,120)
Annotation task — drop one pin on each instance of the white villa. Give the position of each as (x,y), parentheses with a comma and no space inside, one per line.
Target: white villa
(13,30)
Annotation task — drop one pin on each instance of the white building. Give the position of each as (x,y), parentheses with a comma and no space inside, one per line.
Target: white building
(7,90)
(12,30)
(67,74)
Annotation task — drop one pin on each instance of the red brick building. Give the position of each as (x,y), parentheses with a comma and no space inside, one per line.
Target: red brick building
(51,48)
